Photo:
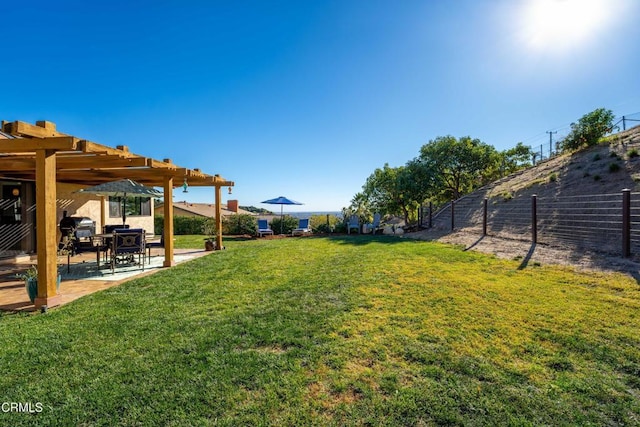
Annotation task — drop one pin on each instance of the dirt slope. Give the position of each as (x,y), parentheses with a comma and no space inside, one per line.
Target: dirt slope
(604,169)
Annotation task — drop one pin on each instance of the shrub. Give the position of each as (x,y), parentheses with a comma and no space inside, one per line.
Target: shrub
(289,223)
(589,129)
(181,224)
(209,227)
(632,153)
(323,223)
(507,195)
(553,177)
(596,157)
(158,224)
(614,167)
(596,177)
(340,227)
(240,224)
(188,224)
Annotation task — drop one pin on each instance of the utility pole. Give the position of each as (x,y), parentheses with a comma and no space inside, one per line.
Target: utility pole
(551,142)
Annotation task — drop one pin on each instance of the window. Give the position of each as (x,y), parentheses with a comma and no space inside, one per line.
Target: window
(135,206)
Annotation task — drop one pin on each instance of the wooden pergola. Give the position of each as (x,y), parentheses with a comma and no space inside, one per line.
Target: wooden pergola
(42,154)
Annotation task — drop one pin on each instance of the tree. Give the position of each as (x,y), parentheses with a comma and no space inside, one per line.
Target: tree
(359,206)
(458,166)
(516,158)
(389,191)
(589,129)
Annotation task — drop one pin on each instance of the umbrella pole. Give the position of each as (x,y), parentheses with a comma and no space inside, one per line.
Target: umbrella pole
(124,209)
(281,217)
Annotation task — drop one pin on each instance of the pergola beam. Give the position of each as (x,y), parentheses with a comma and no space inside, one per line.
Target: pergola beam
(81,162)
(25,145)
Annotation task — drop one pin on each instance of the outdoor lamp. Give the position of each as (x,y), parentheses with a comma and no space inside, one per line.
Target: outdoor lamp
(229,190)
(185,186)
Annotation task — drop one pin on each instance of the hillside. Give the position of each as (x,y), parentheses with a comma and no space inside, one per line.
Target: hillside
(604,169)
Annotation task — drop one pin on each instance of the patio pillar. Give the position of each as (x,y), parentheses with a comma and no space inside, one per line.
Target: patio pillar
(103,213)
(168,222)
(46,230)
(218,217)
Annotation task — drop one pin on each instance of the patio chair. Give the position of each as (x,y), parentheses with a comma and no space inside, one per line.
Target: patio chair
(354,222)
(303,228)
(375,225)
(263,228)
(125,244)
(159,244)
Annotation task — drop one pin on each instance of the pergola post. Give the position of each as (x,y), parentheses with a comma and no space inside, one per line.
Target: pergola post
(168,221)
(46,230)
(103,212)
(218,217)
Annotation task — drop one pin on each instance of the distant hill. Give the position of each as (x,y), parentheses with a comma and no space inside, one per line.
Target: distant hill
(259,211)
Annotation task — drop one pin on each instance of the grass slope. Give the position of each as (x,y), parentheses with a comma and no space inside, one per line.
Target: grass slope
(334,331)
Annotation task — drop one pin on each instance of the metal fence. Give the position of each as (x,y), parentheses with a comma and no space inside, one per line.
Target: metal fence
(546,145)
(603,222)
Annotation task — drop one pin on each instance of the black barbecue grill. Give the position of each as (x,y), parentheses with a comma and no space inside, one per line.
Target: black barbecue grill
(81,229)
(85,228)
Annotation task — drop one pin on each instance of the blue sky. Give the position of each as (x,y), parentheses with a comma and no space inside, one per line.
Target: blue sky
(306,98)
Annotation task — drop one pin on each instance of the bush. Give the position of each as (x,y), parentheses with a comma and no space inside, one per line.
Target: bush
(323,223)
(289,224)
(614,167)
(209,227)
(589,129)
(340,227)
(182,225)
(158,224)
(240,224)
(553,177)
(632,153)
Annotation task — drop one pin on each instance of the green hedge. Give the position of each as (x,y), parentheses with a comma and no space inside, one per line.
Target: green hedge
(182,225)
(320,223)
(289,224)
(240,224)
(233,224)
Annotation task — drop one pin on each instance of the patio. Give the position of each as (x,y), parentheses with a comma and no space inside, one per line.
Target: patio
(39,156)
(83,278)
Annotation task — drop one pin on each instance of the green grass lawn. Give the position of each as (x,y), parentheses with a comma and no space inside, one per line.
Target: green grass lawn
(334,331)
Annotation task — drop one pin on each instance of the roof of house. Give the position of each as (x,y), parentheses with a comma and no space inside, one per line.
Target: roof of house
(203,209)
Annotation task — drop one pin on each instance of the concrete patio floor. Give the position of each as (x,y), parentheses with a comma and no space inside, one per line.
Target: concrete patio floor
(83,278)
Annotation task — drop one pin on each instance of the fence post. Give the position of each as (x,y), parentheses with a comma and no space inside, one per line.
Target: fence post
(534,218)
(626,222)
(430,214)
(484,217)
(453,215)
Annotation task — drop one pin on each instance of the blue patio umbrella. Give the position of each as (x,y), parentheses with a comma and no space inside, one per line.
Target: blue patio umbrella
(281,201)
